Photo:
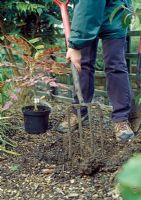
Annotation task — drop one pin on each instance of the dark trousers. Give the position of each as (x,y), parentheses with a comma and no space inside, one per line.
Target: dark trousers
(118,86)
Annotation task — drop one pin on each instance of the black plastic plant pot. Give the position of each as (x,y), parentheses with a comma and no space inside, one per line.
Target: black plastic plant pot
(36,121)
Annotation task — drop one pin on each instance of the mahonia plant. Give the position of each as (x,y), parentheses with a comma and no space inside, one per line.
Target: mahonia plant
(38,65)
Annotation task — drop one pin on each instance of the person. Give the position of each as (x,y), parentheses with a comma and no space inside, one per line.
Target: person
(91,23)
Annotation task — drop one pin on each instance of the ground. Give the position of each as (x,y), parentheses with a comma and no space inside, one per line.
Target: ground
(43,169)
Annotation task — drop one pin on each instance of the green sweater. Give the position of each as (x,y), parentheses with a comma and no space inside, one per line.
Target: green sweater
(91,19)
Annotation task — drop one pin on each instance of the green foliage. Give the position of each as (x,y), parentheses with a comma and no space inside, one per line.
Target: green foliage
(138,99)
(4,140)
(137,9)
(129,179)
(133,12)
(21,6)
(29,19)
(5,89)
(29,7)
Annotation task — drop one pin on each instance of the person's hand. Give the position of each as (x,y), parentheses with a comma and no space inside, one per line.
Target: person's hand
(74,56)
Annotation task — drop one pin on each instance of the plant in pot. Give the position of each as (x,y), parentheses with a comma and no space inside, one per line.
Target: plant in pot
(37,65)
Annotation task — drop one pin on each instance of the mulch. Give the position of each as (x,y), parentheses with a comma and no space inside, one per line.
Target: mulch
(44,170)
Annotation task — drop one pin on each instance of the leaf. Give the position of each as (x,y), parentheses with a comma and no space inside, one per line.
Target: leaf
(2,38)
(7,105)
(1,64)
(115,11)
(31,7)
(8,151)
(22,43)
(131,173)
(35,40)
(138,99)
(129,179)
(39,11)
(53,84)
(126,19)
(129,194)
(40,47)
(38,54)
(8,141)
(14,97)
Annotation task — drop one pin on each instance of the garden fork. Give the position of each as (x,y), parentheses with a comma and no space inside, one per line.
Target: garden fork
(66,23)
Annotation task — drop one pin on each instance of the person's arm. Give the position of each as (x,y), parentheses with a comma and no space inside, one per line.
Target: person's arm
(87,19)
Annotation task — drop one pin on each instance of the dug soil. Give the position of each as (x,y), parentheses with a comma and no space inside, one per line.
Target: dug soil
(54,166)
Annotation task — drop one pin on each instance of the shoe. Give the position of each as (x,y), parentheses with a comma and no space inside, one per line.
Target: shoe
(135,123)
(123,132)
(63,127)
(135,118)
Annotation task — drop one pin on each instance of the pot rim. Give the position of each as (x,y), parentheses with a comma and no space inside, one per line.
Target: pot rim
(27,111)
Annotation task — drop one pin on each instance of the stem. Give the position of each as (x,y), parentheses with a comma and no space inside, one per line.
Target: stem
(35,106)
(35,101)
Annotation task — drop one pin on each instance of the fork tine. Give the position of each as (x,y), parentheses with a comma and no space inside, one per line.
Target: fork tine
(93,146)
(90,125)
(101,129)
(69,133)
(80,130)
